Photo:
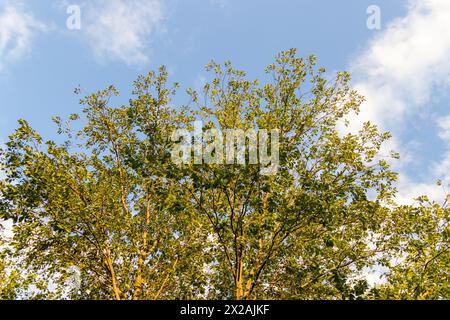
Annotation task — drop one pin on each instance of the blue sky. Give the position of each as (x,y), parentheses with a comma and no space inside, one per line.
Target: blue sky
(403,68)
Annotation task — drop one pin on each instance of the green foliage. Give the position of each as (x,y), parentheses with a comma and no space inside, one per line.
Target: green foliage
(288,235)
(106,214)
(102,200)
(420,268)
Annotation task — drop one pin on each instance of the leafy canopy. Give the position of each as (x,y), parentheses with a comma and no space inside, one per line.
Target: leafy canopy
(106,214)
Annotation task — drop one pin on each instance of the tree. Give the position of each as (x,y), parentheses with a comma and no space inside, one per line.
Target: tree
(5,280)
(102,201)
(110,203)
(302,232)
(420,265)
(11,282)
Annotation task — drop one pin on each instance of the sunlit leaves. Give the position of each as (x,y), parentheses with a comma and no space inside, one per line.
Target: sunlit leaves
(109,203)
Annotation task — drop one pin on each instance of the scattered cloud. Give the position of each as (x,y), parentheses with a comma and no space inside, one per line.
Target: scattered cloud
(121,30)
(398,73)
(401,66)
(375,278)
(6,229)
(18,28)
(442,168)
(409,190)
(444,126)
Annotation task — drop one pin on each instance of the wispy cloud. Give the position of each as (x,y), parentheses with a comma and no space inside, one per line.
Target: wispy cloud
(444,126)
(398,72)
(402,65)
(18,28)
(120,30)
(442,168)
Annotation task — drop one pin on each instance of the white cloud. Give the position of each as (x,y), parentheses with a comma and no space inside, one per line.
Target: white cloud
(400,68)
(409,190)
(398,72)
(442,168)
(444,126)
(121,30)
(6,229)
(18,28)
(374,278)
